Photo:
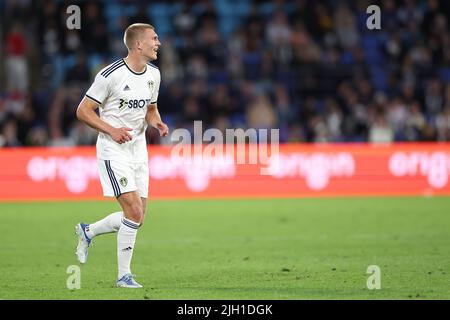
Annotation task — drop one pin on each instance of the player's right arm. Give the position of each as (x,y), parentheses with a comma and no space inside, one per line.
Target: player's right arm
(97,94)
(86,113)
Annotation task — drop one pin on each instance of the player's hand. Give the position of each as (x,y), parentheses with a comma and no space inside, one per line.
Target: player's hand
(162,128)
(120,135)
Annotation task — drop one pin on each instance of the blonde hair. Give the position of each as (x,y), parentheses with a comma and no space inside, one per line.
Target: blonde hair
(133,32)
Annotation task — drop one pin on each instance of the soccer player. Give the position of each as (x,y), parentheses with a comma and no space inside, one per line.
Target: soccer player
(126,92)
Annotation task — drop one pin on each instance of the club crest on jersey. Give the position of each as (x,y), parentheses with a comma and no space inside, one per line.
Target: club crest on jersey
(151,85)
(123,181)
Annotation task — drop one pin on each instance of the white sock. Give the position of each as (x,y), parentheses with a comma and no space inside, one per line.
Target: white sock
(125,245)
(109,224)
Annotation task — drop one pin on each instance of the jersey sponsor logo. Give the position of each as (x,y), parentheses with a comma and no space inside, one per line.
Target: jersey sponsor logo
(122,103)
(126,88)
(134,103)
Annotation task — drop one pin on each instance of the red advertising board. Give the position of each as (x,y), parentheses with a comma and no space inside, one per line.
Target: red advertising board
(300,170)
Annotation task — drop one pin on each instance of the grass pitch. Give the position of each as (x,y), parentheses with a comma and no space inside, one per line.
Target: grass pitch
(236,249)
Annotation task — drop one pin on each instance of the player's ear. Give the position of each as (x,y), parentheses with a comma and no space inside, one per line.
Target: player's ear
(138,44)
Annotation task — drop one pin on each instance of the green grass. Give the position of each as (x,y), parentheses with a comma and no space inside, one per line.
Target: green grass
(236,249)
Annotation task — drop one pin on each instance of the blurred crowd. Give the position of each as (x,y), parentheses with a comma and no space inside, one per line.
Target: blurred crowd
(310,68)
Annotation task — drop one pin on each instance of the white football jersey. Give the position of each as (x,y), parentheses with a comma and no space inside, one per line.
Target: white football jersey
(123,96)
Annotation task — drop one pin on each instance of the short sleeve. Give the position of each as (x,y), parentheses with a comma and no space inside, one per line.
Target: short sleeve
(99,89)
(156,92)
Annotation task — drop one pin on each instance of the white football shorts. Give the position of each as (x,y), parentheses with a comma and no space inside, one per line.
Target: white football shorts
(118,177)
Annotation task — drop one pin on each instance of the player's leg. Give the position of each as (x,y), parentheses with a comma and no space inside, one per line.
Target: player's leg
(86,232)
(131,204)
(111,223)
(137,203)
(113,177)
(111,188)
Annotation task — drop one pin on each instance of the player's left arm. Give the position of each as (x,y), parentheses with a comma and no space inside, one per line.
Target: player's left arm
(153,118)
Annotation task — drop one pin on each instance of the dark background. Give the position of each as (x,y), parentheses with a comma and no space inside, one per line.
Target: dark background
(310,68)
